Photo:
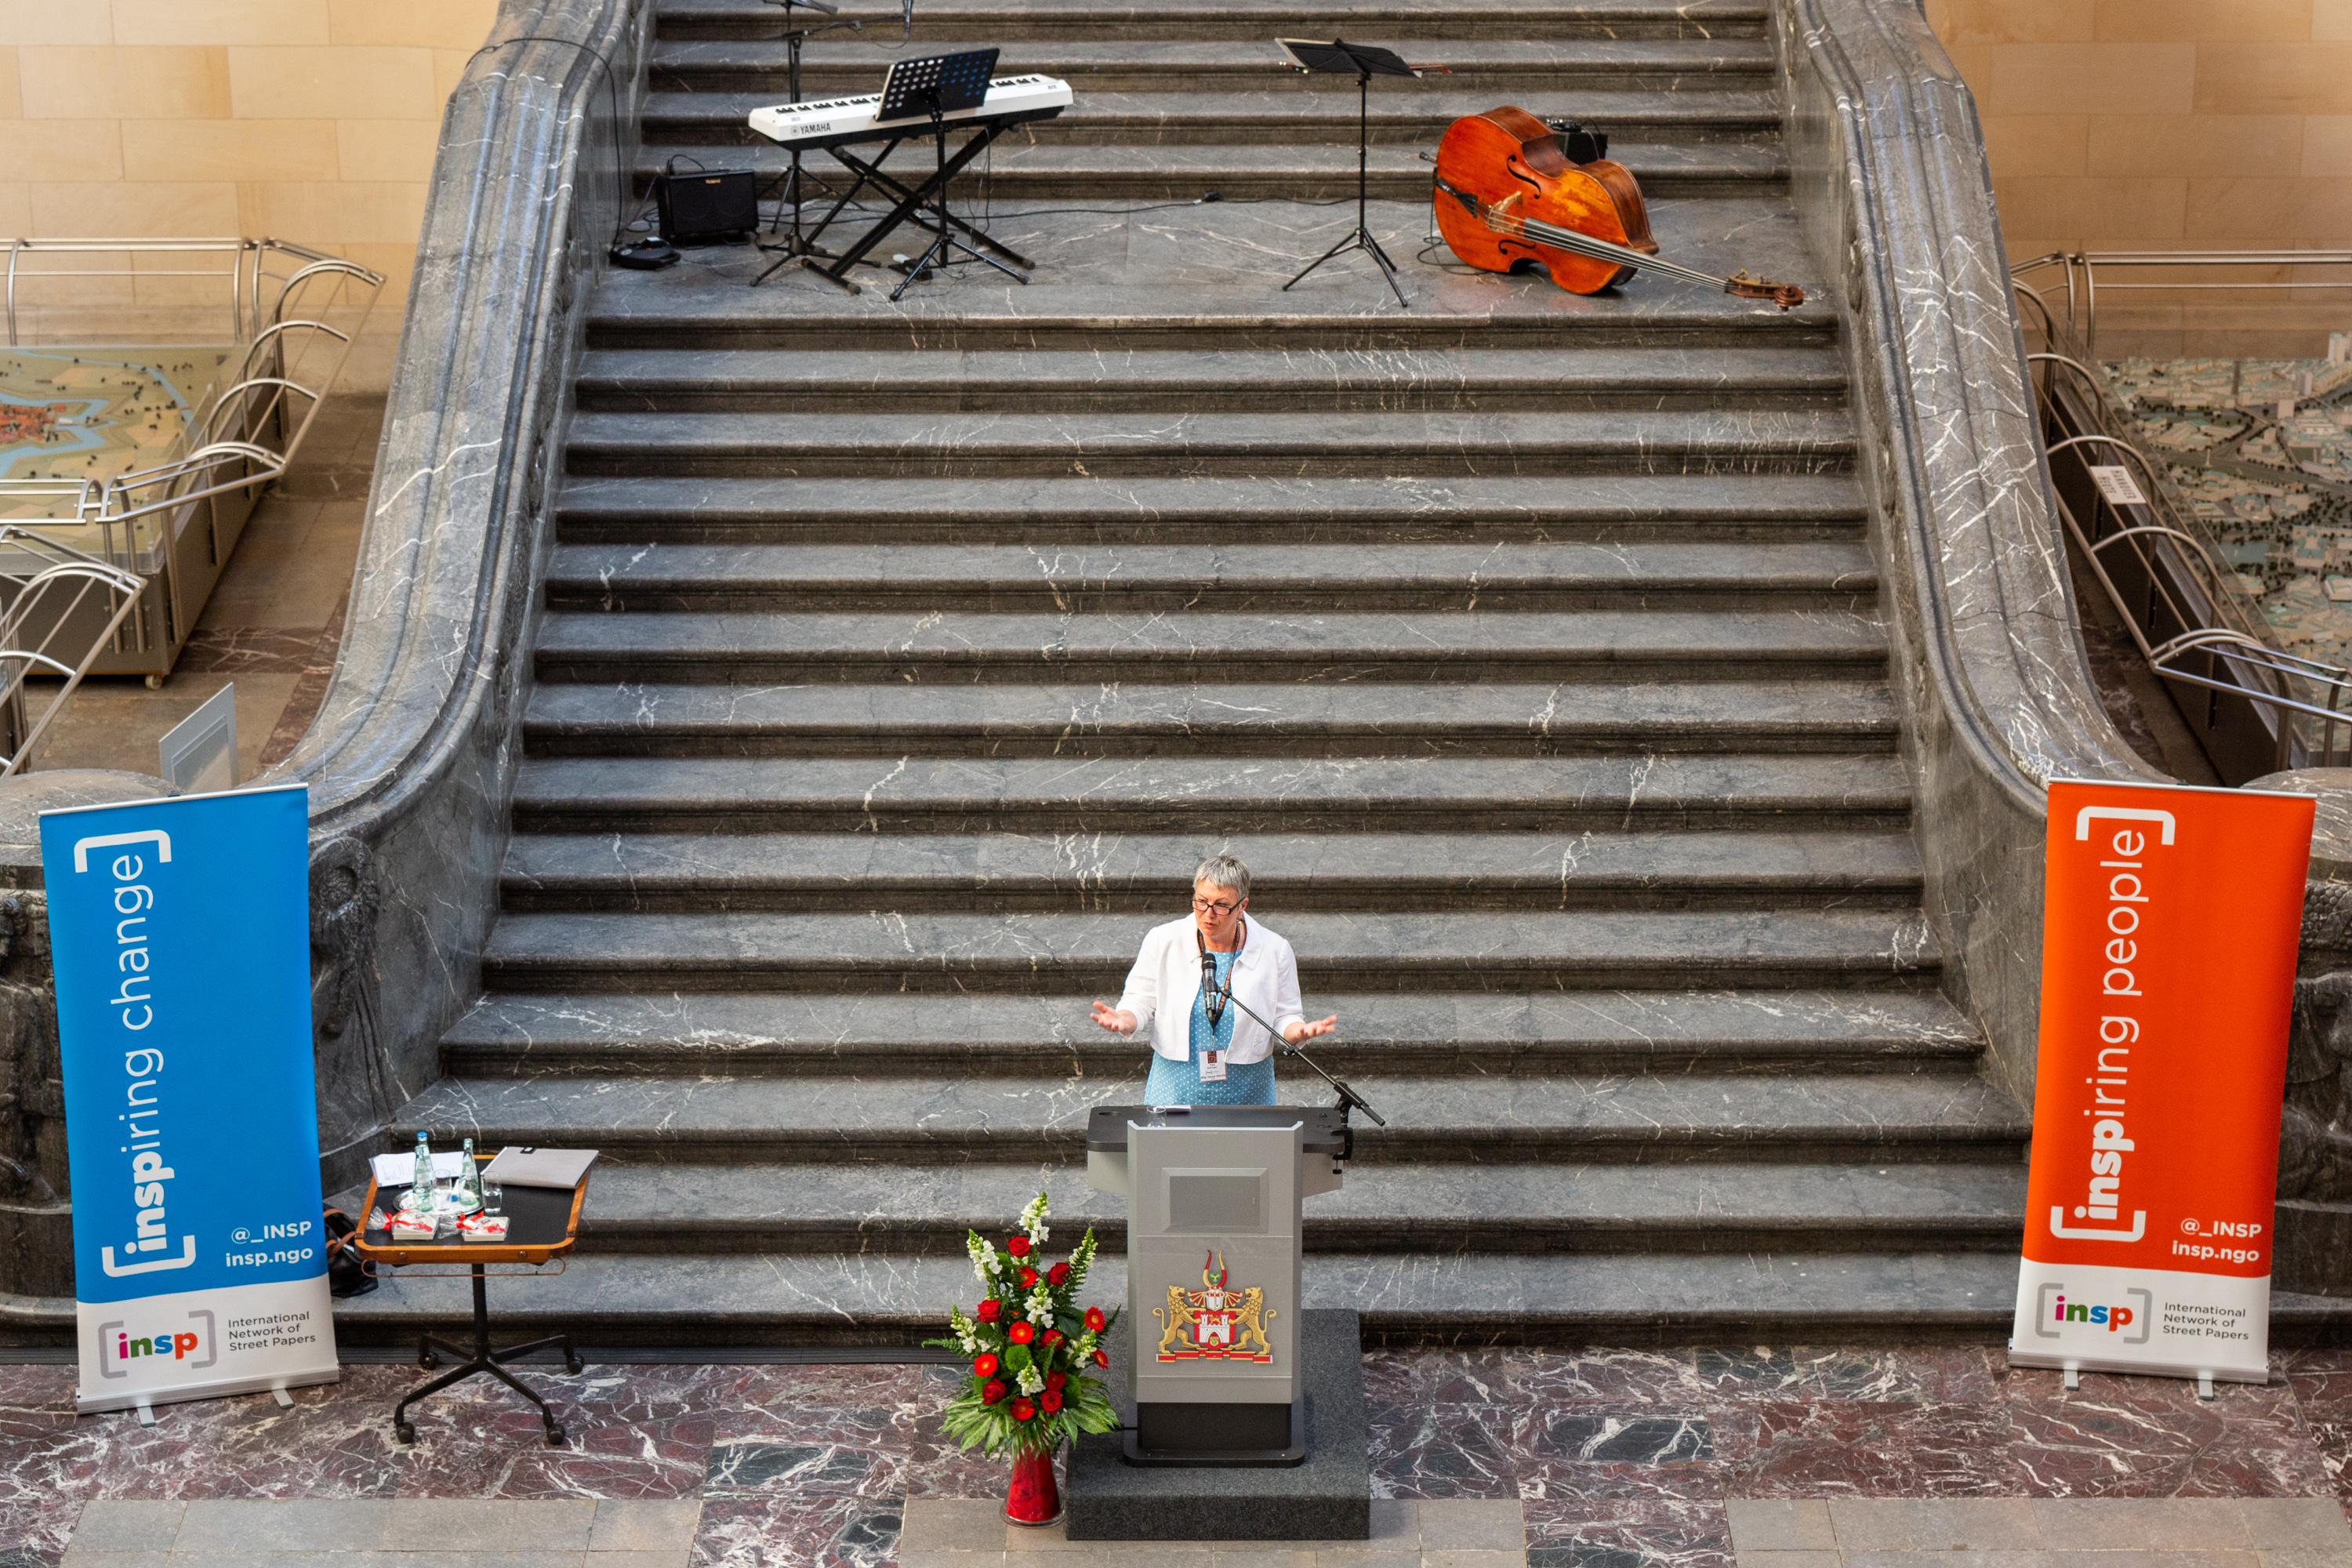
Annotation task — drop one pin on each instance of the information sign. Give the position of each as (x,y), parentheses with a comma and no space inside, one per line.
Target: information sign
(181,935)
(2169,928)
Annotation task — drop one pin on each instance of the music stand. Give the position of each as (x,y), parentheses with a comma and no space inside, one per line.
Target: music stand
(939,86)
(1364,62)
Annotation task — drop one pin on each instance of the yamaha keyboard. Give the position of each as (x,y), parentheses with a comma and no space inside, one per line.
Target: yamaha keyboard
(838,121)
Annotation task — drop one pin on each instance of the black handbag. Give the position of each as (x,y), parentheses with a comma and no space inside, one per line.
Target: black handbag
(348,1273)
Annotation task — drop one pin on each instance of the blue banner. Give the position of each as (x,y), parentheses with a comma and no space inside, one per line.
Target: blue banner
(181,935)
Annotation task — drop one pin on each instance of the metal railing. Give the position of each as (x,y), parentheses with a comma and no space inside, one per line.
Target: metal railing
(294,312)
(47,613)
(2151,558)
(234,276)
(2080,280)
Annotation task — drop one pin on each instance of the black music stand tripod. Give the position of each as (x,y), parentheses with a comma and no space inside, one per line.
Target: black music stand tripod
(1364,61)
(941,95)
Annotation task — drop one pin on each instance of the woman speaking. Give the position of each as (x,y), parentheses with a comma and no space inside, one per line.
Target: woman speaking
(1206,1050)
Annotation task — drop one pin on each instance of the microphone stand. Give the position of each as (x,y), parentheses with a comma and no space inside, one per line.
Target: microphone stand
(794,37)
(1349,1099)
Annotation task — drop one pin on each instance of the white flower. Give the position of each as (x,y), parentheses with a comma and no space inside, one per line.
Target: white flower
(1041,1308)
(1084,1347)
(1032,1220)
(1032,1380)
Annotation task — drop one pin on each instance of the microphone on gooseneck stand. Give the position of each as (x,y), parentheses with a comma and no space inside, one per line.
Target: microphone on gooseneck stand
(1212,1003)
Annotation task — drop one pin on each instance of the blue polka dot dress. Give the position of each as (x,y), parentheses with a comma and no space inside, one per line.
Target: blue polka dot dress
(1179,1083)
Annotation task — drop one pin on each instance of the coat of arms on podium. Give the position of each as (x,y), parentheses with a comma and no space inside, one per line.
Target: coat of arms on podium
(1225,1324)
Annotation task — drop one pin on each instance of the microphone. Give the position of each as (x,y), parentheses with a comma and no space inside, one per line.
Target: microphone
(906,21)
(1213,1003)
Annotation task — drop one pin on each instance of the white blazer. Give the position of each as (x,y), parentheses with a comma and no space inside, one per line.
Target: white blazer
(1166,979)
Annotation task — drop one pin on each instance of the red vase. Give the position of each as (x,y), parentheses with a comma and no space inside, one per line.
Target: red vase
(1035,1498)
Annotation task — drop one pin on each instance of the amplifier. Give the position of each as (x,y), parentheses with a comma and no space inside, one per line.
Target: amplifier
(707,205)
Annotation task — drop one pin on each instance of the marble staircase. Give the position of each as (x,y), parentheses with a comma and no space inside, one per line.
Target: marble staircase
(898,662)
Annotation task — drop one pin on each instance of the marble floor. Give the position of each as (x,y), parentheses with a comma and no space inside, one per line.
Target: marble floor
(273,623)
(1613,1458)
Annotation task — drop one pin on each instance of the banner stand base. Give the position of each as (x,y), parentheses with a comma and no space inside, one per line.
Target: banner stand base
(146,1402)
(2072,1367)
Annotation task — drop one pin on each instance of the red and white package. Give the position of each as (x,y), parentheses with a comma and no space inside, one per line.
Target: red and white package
(482,1227)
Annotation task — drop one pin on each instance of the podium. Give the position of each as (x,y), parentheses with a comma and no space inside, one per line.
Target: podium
(1215,1194)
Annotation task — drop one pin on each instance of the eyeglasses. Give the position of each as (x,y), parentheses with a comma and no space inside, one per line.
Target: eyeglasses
(1210,906)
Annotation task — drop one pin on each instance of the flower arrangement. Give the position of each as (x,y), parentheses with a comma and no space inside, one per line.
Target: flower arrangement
(1031,1347)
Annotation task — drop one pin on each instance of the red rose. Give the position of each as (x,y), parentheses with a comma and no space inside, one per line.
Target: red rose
(988,1311)
(991,1394)
(1101,1359)
(1095,1320)
(1051,1399)
(1058,1275)
(1018,1247)
(1055,1379)
(1053,1336)
(1023,1411)
(984,1367)
(1020,1333)
(1028,1278)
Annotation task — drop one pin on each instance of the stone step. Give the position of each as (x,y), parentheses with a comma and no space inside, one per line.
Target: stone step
(1416,117)
(1639,509)
(828,69)
(927,1210)
(1181,795)
(1306,446)
(958,648)
(948,873)
(820,1127)
(1045,168)
(1298,719)
(1113,295)
(1435,19)
(1209,381)
(740,1035)
(1417,1297)
(1277,579)
(887,951)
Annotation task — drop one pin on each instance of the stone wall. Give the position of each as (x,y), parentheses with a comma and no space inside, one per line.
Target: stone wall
(2170,125)
(313,121)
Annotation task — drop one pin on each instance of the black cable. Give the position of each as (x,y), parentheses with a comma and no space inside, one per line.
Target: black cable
(1210,200)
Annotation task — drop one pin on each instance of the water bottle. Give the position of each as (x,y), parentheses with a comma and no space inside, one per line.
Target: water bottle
(470,1182)
(421,1190)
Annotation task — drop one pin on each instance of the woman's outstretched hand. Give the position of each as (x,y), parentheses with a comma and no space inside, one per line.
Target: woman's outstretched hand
(1116,1020)
(1303,1030)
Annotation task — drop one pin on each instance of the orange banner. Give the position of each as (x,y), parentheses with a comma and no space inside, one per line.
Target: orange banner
(2170,922)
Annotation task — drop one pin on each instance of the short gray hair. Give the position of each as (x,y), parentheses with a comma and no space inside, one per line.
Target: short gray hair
(1223,871)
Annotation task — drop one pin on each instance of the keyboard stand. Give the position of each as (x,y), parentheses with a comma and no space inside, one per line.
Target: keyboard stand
(931,193)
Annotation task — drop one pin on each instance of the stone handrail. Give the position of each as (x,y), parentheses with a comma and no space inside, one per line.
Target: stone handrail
(1896,201)
(410,759)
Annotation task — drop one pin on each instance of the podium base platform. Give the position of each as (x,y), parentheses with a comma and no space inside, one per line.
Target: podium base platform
(1283,1427)
(1325,1498)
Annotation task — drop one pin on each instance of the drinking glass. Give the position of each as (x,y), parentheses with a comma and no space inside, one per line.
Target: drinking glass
(493,1200)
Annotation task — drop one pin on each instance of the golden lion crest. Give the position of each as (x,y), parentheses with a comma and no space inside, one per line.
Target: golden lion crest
(1225,1324)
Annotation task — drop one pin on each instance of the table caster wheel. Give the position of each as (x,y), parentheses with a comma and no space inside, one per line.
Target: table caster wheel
(572,1363)
(555,1438)
(403,1431)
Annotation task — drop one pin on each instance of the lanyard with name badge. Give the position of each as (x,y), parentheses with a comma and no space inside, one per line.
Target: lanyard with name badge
(1214,997)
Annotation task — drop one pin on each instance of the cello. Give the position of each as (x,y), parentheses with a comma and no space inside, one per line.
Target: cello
(1508,194)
